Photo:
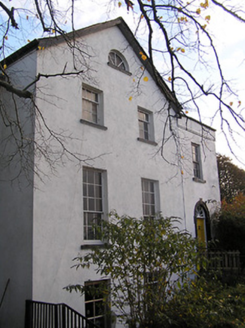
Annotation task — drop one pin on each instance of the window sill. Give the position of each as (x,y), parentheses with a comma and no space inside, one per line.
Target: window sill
(198,180)
(95,125)
(96,244)
(118,69)
(147,141)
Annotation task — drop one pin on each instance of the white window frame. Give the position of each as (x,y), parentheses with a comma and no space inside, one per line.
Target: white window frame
(117,60)
(87,115)
(196,161)
(150,197)
(147,132)
(95,204)
(95,300)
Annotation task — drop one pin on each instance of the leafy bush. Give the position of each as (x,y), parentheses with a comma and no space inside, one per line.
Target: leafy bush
(152,266)
(205,303)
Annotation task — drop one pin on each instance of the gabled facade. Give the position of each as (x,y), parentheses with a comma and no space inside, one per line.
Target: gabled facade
(116,115)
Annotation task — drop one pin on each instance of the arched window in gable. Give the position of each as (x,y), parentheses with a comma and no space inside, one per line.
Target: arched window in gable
(117,60)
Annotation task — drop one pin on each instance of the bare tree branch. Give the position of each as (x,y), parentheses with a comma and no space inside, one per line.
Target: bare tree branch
(229,11)
(20,93)
(10,13)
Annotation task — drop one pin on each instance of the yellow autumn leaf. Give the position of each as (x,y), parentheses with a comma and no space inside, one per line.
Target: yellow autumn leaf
(145,79)
(119,4)
(207,18)
(130,98)
(183,50)
(205,4)
(182,172)
(169,78)
(28,40)
(43,48)
(53,30)
(39,48)
(142,68)
(182,157)
(4,66)
(239,103)
(198,11)
(231,103)
(144,57)
(186,112)
(204,26)
(141,16)
(133,79)
(6,37)
(27,17)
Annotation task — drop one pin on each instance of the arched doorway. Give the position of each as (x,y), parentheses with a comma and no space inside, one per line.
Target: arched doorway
(202,223)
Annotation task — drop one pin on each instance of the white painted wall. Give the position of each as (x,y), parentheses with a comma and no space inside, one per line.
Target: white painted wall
(57,202)
(58,208)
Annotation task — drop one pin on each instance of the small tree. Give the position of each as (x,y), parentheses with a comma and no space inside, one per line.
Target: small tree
(230,228)
(231,178)
(145,260)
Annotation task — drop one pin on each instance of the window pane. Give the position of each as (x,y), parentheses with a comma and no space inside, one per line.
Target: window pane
(98,205)
(98,178)
(116,60)
(91,205)
(90,233)
(148,197)
(99,308)
(91,190)
(95,303)
(144,125)
(92,202)
(90,176)
(152,199)
(196,161)
(89,310)
(98,191)
(90,105)
(85,205)
(141,116)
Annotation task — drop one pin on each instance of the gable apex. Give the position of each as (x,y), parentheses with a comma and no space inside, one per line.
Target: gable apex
(129,36)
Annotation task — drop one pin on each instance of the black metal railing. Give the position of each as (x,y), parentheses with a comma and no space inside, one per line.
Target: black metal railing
(50,315)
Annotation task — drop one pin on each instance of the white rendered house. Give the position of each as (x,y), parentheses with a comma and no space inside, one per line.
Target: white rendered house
(115,115)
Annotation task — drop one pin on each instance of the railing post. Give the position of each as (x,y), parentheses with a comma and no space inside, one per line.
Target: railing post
(56,316)
(28,314)
(63,315)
